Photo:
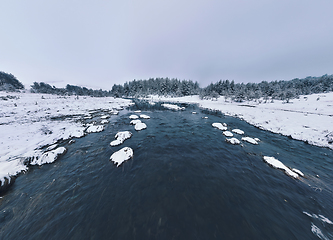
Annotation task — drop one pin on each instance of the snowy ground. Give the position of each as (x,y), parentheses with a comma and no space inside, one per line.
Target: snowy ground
(309,118)
(29,122)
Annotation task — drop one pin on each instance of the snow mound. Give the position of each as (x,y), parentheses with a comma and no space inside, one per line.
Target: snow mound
(279,165)
(238,131)
(219,126)
(133,122)
(250,140)
(105,117)
(95,129)
(228,134)
(122,155)
(257,139)
(233,141)
(49,157)
(144,116)
(104,121)
(121,137)
(172,106)
(133,117)
(140,126)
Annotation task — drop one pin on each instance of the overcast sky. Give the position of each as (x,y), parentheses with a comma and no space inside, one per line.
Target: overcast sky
(100,43)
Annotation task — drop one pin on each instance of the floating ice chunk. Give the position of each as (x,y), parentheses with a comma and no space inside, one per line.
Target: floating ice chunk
(95,128)
(140,126)
(105,116)
(238,131)
(233,141)
(257,139)
(316,231)
(88,117)
(49,157)
(133,122)
(228,134)
(279,165)
(137,111)
(144,116)
(121,137)
(152,103)
(133,117)
(172,106)
(250,140)
(194,112)
(104,121)
(205,117)
(114,112)
(298,172)
(219,126)
(122,155)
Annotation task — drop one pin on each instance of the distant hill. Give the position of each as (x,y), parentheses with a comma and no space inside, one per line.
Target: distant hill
(8,82)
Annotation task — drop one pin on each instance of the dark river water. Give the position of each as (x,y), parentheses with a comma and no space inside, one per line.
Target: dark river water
(184,182)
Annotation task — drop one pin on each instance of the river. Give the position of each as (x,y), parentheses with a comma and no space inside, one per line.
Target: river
(184,182)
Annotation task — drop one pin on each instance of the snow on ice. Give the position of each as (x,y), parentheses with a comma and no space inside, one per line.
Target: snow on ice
(49,157)
(228,134)
(133,116)
(122,155)
(140,126)
(144,116)
(133,122)
(279,165)
(95,129)
(250,140)
(238,131)
(121,137)
(219,126)
(233,141)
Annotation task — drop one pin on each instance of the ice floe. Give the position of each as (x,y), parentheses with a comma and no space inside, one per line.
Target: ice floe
(104,121)
(172,106)
(49,157)
(219,126)
(137,111)
(298,172)
(249,140)
(233,141)
(144,116)
(95,129)
(135,121)
(121,137)
(122,155)
(133,116)
(105,117)
(238,131)
(228,134)
(194,112)
(140,126)
(279,165)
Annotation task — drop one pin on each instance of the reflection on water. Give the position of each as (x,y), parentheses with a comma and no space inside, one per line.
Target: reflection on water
(184,182)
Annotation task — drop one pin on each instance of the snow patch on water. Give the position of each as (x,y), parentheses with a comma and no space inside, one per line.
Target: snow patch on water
(133,116)
(140,126)
(279,165)
(228,134)
(121,137)
(144,116)
(238,131)
(233,141)
(122,155)
(219,126)
(250,140)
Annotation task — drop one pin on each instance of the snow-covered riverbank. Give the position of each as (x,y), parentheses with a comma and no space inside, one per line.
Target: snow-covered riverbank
(309,118)
(31,121)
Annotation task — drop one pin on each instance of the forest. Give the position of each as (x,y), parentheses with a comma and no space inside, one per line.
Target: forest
(281,90)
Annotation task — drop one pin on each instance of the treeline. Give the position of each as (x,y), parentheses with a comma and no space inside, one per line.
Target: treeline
(156,86)
(68,90)
(282,90)
(8,82)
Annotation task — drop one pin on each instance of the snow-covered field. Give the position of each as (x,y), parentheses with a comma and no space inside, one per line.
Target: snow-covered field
(309,118)
(29,122)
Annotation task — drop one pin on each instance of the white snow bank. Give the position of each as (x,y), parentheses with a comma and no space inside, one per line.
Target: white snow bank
(30,121)
(122,155)
(121,137)
(238,131)
(250,140)
(49,157)
(172,106)
(228,134)
(308,118)
(95,129)
(133,116)
(144,116)
(233,141)
(133,122)
(140,126)
(279,165)
(219,126)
